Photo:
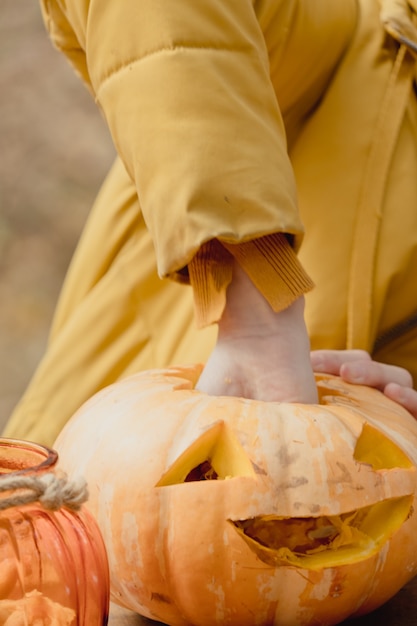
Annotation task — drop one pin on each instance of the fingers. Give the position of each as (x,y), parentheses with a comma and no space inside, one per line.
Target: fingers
(374,374)
(330,361)
(403,395)
(356,366)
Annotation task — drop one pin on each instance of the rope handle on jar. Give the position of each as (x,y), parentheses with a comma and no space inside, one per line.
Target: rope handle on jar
(51,490)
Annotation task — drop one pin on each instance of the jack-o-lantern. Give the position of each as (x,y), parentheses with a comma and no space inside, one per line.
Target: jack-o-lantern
(228,511)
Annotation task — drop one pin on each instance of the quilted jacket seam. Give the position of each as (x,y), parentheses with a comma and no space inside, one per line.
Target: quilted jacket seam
(128,65)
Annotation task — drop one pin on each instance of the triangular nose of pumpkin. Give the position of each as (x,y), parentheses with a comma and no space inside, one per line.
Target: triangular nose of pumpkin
(215,455)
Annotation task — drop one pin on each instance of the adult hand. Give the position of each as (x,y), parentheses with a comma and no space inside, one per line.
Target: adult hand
(259,354)
(357,366)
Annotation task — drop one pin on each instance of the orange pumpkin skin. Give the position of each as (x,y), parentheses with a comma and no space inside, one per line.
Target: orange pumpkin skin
(305,515)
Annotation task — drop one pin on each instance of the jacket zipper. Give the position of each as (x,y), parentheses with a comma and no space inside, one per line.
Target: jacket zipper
(395,332)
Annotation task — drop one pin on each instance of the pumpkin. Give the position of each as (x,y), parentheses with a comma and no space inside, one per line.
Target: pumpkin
(230,511)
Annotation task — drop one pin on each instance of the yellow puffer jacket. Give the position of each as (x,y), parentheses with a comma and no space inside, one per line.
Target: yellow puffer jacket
(356,163)
(213,106)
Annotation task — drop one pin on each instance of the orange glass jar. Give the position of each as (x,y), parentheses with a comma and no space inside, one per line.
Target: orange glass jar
(53,565)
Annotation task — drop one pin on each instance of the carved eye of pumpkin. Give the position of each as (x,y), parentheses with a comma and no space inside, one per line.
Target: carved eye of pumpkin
(215,455)
(377,450)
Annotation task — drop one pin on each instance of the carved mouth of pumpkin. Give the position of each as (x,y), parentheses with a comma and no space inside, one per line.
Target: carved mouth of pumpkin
(327,541)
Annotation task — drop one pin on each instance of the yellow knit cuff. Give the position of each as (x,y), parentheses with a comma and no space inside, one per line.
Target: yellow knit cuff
(274,268)
(269,261)
(210,272)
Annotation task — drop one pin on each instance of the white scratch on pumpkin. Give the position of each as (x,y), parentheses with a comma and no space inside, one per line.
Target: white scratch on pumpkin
(218,592)
(130,540)
(233,571)
(104,518)
(130,535)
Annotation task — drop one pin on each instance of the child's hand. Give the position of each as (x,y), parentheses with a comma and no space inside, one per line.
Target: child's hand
(260,354)
(357,366)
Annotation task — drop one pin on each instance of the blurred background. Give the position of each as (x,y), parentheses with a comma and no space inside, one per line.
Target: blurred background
(54,153)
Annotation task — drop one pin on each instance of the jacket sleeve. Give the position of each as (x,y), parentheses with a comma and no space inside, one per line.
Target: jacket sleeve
(186,92)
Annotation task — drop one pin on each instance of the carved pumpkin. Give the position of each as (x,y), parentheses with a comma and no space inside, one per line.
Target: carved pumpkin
(228,511)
